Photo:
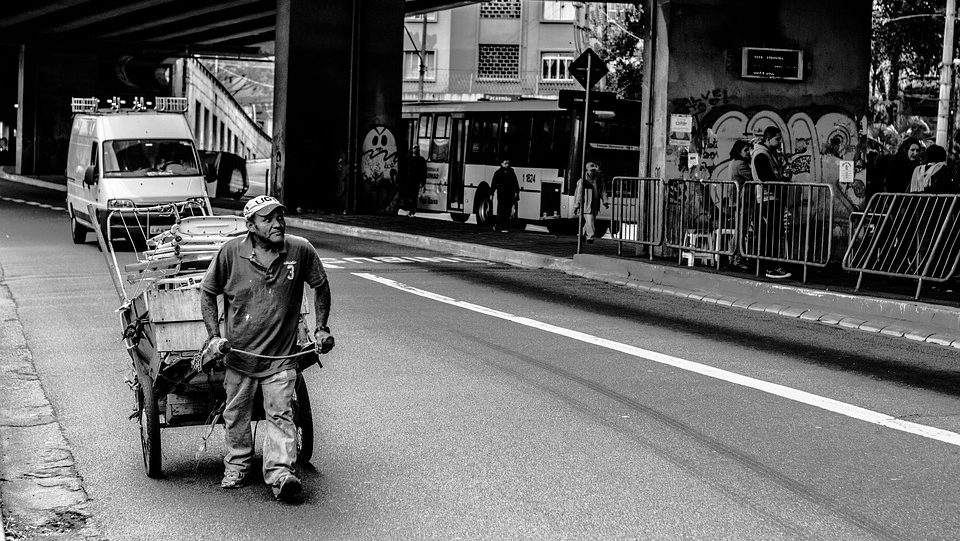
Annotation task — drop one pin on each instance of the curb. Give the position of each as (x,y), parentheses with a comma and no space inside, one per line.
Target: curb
(912,320)
(32,182)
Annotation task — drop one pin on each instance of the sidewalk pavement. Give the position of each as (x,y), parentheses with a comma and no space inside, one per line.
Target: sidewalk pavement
(828,297)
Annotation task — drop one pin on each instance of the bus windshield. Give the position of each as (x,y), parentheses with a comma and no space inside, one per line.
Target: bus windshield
(149,158)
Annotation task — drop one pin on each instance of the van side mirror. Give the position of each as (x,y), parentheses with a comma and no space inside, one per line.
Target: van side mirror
(90,175)
(228,171)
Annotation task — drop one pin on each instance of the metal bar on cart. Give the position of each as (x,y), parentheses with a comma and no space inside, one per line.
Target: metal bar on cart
(108,254)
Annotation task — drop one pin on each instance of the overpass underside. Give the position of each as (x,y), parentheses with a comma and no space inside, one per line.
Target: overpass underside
(337,88)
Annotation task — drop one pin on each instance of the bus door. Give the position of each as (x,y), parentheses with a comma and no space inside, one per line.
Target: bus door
(458,155)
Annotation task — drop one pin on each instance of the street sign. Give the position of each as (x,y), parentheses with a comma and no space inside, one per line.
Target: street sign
(597,68)
(573,99)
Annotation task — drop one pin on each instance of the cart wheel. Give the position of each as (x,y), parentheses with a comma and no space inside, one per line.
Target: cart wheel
(149,427)
(303,420)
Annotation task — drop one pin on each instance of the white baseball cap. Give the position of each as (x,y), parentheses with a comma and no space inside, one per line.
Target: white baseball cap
(262,205)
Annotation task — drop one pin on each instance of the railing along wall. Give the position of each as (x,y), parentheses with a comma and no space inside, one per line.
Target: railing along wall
(636,211)
(701,218)
(787,222)
(913,236)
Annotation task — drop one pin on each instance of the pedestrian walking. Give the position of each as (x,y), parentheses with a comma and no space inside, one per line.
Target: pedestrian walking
(261,277)
(507,189)
(589,196)
(933,175)
(413,179)
(766,167)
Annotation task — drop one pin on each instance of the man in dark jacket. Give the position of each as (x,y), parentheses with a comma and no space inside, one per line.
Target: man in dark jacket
(414,177)
(507,188)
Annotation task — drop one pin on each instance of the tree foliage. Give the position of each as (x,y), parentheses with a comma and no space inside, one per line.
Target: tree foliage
(616,35)
(907,45)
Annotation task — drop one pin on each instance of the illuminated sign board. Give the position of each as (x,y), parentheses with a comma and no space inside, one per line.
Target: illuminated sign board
(772,64)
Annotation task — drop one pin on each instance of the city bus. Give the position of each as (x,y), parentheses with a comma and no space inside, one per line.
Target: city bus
(465,142)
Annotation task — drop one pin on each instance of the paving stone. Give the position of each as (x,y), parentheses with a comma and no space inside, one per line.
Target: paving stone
(918,335)
(812,315)
(711,298)
(743,303)
(851,322)
(695,296)
(831,319)
(774,308)
(793,311)
(758,306)
(872,326)
(726,301)
(894,330)
(941,339)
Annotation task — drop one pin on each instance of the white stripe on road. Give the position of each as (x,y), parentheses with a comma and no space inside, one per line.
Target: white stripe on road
(34,203)
(789,393)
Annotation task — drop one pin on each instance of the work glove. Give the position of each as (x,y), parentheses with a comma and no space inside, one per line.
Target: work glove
(212,354)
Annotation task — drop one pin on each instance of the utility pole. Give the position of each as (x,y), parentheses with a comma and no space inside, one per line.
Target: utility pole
(423,53)
(946,74)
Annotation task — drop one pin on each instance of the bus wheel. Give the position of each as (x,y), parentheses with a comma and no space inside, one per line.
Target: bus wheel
(601,228)
(459,218)
(484,209)
(562,227)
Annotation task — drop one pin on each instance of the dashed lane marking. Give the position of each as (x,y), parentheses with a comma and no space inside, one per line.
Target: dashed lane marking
(796,395)
(32,203)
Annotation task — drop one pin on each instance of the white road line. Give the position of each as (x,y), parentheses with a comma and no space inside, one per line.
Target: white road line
(33,203)
(782,391)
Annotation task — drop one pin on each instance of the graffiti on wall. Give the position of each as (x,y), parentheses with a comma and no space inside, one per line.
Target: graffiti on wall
(378,171)
(815,141)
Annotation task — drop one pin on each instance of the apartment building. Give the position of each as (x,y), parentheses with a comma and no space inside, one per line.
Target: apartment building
(497,49)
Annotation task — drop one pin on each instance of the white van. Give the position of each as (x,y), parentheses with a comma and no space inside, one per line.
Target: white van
(126,158)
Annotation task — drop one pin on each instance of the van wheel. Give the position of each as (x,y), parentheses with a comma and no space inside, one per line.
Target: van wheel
(459,218)
(77,231)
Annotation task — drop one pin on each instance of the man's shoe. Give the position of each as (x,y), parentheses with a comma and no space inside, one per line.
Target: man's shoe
(590,240)
(778,274)
(233,479)
(287,487)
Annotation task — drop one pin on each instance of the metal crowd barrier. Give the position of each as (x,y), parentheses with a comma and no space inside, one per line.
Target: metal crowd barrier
(789,222)
(701,219)
(907,235)
(636,211)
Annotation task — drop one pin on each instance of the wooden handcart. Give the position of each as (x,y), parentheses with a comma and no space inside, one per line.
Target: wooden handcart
(163,329)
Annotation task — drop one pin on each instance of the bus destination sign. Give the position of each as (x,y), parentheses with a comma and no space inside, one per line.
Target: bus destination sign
(772,64)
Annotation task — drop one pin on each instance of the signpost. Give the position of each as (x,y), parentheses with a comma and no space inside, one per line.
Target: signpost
(587,69)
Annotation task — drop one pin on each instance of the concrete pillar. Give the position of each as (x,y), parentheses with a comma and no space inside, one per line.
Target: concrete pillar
(45,83)
(337,97)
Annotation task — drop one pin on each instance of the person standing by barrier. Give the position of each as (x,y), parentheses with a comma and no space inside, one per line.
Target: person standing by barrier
(507,188)
(933,176)
(739,173)
(590,195)
(414,177)
(767,166)
(897,170)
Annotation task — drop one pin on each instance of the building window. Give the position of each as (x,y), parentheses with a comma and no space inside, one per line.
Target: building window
(411,66)
(431,17)
(555,66)
(500,9)
(558,11)
(498,62)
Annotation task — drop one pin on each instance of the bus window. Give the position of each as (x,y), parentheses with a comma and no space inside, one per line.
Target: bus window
(484,135)
(549,142)
(423,133)
(515,141)
(440,144)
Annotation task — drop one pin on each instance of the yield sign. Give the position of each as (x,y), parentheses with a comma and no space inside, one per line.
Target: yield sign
(588,68)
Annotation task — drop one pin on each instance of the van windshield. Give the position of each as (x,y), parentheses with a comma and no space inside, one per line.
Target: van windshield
(149,158)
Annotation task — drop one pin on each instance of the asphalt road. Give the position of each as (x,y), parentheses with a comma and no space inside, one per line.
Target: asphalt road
(474,400)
